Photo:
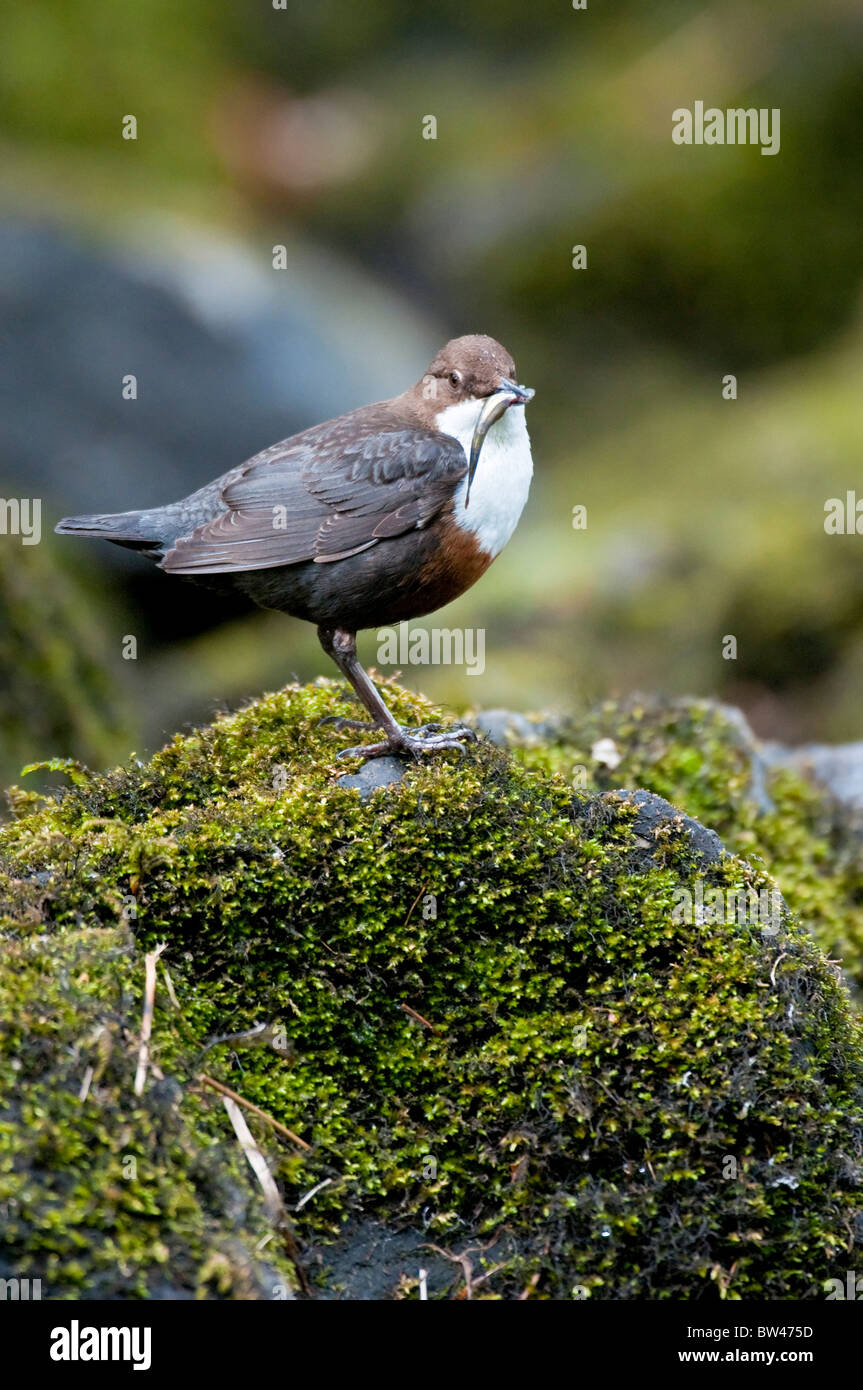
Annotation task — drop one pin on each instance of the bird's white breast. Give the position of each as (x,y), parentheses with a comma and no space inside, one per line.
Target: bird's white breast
(503,473)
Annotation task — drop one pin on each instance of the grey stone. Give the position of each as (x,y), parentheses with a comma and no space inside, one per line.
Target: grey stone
(758,763)
(376,773)
(655,813)
(369,1260)
(506,726)
(838,768)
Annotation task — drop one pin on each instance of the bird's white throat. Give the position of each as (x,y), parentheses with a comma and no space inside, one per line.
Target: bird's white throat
(503,474)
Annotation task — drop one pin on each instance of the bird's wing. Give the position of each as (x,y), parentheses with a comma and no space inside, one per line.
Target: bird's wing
(323,499)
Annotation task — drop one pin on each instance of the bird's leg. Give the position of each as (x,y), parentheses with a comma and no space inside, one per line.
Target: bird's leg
(342,647)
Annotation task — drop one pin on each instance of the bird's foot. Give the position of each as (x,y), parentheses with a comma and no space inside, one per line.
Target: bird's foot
(339,722)
(414,743)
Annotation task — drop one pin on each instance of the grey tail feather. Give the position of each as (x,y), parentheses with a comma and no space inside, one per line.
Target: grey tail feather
(131,529)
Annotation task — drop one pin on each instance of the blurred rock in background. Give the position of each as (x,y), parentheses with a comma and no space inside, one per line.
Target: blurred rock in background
(227,357)
(56,690)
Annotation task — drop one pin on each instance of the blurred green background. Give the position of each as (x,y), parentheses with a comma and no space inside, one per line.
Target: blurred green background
(303,126)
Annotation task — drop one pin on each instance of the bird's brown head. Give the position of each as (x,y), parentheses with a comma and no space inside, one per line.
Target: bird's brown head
(477,370)
(469,367)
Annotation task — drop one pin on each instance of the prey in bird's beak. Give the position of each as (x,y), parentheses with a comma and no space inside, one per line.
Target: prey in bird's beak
(500,400)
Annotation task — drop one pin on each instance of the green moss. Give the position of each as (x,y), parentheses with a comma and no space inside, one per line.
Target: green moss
(692,753)
(108,1194)
(497,1025)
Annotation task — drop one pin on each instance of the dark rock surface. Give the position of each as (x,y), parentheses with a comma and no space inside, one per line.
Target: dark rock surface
(656,817)
(376,773)
(371,1261)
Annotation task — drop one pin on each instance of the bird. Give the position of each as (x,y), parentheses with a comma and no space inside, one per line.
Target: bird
(380,515)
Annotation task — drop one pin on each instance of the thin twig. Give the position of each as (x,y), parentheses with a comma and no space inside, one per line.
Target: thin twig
(462,1259)
(150,961)
(255,1109)
(414,903)
(775,963)
(257,1162)
(272,1197)
(488,1273)
(419,1018)
(615,1098)
(261,1035)
(170,987)
(313,1192)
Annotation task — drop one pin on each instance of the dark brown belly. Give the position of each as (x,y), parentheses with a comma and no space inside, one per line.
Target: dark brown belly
(405,577)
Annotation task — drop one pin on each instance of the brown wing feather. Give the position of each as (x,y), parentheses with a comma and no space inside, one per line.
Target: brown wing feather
(326,495)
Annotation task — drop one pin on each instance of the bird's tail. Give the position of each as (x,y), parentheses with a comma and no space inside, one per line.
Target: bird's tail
(132,529)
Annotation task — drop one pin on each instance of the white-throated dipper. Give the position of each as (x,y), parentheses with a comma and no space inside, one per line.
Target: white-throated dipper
(380,515)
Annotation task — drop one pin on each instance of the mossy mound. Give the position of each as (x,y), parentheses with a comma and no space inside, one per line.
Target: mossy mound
(103,1194)
(498,1032)
(702,757)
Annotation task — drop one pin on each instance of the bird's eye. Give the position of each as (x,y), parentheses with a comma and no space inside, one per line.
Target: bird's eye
(455,380)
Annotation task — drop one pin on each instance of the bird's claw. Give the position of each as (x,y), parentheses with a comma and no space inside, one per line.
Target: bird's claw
(414,743)
(340,722)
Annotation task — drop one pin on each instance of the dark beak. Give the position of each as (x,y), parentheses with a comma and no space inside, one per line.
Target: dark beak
(499,401)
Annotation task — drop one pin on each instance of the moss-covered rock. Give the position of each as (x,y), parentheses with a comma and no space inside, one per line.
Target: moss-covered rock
(104,1194)
(497,1029)
(702,757)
